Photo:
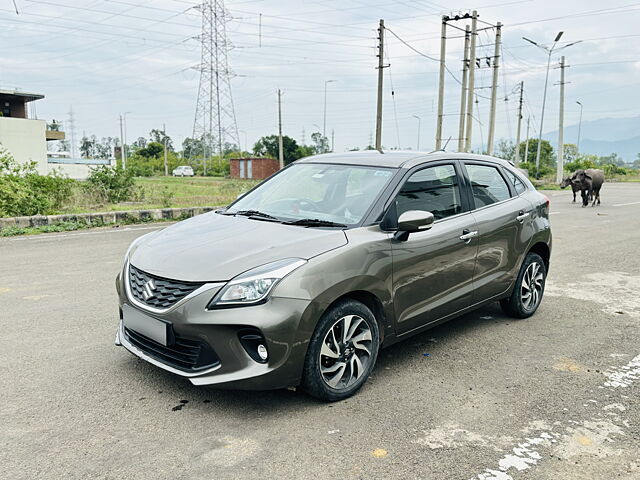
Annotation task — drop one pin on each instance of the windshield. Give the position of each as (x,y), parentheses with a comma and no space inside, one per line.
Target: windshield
(332,193)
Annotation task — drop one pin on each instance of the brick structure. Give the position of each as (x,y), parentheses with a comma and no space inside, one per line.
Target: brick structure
(253,167)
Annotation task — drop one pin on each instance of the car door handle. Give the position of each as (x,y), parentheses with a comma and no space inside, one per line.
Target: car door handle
(467,235)
(522,216)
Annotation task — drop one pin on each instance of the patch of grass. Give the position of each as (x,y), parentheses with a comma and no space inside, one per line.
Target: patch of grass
(164,192)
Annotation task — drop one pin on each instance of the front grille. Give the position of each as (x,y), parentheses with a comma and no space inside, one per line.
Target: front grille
(184,354)
(158,292)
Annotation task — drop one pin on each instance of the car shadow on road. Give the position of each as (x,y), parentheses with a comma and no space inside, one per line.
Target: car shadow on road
(181,394)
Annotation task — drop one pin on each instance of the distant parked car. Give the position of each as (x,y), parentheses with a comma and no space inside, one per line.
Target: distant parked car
(183,171)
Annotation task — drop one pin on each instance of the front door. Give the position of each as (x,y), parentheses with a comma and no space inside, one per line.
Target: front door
(433,270)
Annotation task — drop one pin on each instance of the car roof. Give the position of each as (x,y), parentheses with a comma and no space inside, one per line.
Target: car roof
(395,158)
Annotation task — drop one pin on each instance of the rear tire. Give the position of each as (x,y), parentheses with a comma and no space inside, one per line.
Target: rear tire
(342,352)
(529,288)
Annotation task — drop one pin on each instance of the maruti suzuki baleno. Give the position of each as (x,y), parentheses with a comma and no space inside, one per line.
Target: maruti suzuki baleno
(304,278)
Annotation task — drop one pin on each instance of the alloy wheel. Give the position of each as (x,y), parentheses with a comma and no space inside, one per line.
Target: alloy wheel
(346,352)
(532,285)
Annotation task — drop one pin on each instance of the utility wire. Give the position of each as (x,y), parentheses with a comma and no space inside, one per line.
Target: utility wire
(393,97)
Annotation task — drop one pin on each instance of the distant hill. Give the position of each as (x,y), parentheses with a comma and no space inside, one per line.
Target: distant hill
(605,136)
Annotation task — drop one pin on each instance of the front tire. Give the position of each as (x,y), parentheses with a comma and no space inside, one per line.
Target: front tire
(528,290)
(342,352)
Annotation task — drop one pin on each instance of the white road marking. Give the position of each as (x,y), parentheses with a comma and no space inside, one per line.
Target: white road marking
(625,204)
(623,377)
(77,234)
(590,434)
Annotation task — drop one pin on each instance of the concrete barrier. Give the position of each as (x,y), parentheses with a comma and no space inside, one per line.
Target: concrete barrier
(106,218)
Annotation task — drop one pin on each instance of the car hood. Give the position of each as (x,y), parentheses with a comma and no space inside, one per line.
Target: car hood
(213,247)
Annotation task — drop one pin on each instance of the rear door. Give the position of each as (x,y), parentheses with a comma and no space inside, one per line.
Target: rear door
(433,270)
(503,220)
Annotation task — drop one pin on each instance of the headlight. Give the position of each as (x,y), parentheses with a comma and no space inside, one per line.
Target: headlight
(253,287)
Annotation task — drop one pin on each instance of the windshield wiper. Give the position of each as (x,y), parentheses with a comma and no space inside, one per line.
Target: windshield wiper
(316,222)
(253,213)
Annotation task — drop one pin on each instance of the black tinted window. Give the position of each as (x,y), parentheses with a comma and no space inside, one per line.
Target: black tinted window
(516,182)
(487,185)
(433,189)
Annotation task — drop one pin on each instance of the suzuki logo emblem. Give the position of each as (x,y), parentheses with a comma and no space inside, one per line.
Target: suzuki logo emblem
(148,289)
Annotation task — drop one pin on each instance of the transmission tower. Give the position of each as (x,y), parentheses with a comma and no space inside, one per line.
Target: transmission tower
(215,120)
(71,128)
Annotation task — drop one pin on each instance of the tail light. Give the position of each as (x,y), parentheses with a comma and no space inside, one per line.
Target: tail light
(546,204)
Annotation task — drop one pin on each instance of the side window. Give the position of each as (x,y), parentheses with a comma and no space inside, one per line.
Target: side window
(515,181)
(433,189)
(487,185)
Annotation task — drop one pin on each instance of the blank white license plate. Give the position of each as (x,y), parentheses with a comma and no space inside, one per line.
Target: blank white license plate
(145,325)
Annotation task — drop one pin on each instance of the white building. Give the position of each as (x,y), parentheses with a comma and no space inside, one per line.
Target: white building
(26,138)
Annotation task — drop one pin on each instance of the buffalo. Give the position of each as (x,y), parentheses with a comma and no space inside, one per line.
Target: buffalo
(589,182)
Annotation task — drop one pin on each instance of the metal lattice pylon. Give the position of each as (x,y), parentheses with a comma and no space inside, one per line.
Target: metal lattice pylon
(215,120)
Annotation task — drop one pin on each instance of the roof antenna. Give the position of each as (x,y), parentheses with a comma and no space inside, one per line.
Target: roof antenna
(16,7)
(445,144)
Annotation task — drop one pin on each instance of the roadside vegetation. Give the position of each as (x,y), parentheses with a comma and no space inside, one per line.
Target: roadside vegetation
(544,177)
(24,192)
(142,185)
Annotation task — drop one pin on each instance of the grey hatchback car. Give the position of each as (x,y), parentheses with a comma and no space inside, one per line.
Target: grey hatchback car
(304,278)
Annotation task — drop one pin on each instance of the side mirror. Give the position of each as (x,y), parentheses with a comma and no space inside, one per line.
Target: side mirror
(414,221)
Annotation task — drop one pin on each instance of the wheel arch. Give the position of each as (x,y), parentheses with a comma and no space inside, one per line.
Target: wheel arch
(542,249)
(371,301)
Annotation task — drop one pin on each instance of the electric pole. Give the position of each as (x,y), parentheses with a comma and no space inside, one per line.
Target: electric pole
(560,163)
(124,141)
(324,117)
(463,96)
(380,76)
(280,147)
(443,52)
(166,164)
(471,86)
(121,145)
(333,137)
(519,124)
(494,90)
(526,143)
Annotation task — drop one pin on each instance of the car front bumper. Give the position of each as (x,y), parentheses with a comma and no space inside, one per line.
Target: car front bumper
(286,325)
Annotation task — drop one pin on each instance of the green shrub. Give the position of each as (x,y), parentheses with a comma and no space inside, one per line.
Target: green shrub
(579,165)
(610,170)
(530,167)
(166,196)
(113,184)
(25,192)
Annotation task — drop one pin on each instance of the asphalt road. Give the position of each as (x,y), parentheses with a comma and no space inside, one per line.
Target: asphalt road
(551,397)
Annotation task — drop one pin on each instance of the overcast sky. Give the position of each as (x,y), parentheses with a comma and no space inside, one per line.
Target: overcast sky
(107,57)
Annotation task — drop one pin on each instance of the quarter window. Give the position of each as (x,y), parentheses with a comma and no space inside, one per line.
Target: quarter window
(516,182)
(433,189)
(487,185)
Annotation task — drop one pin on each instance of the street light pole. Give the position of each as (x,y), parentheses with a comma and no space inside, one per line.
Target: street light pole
(324,118)
(579,127)
(546,81)
(419,121)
